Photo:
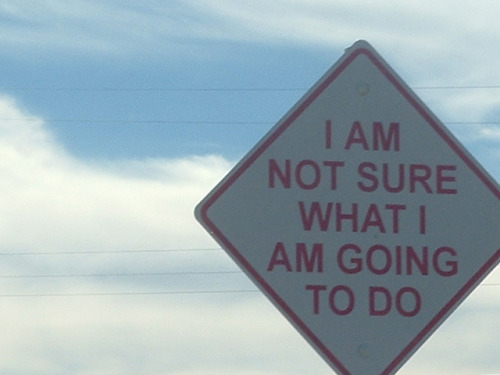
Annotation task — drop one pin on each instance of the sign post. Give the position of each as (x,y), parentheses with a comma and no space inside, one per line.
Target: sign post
(360,216)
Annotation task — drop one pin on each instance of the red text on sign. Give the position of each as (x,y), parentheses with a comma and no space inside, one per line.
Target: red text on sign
(401,260)
(344,217)
(304,260)
(341,300)
(306,174)
(407,301)
(412,178)
(381,139)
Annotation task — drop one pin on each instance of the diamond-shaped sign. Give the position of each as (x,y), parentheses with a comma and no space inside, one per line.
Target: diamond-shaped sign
(360,216)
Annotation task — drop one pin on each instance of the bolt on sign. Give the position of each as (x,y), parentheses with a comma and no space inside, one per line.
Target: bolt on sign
(360,216)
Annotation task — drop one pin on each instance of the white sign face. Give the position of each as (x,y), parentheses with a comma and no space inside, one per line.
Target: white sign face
(360,216)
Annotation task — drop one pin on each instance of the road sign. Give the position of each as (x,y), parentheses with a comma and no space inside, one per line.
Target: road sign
(360,217)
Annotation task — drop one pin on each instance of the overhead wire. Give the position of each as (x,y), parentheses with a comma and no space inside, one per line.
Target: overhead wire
(132,274)
(138,293)
(99,252)
(193,122)
(127,274)
(219,89)
(141,293)
(208,89)
(142,274)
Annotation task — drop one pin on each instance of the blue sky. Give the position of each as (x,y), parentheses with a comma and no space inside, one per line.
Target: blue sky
(117,117)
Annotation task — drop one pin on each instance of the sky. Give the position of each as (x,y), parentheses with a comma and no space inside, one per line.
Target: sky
(118,117)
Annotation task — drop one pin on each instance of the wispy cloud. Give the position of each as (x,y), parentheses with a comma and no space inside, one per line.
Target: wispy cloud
(429,44)
(491,133)
(110,27)
(113,25)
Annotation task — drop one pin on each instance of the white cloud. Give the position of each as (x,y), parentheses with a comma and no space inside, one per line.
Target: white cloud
(490,133)
(464,344)
(100,203)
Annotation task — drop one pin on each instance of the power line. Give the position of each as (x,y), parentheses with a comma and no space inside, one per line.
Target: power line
(471,87)
(140,121)
(139,293)
(133,274)
(220,89)
(157,89)
(101,252)
(146,274)
(472,122)
(193,122)
(147,293)
(143,293)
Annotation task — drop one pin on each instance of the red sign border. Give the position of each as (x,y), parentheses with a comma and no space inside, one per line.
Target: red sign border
(253,156)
